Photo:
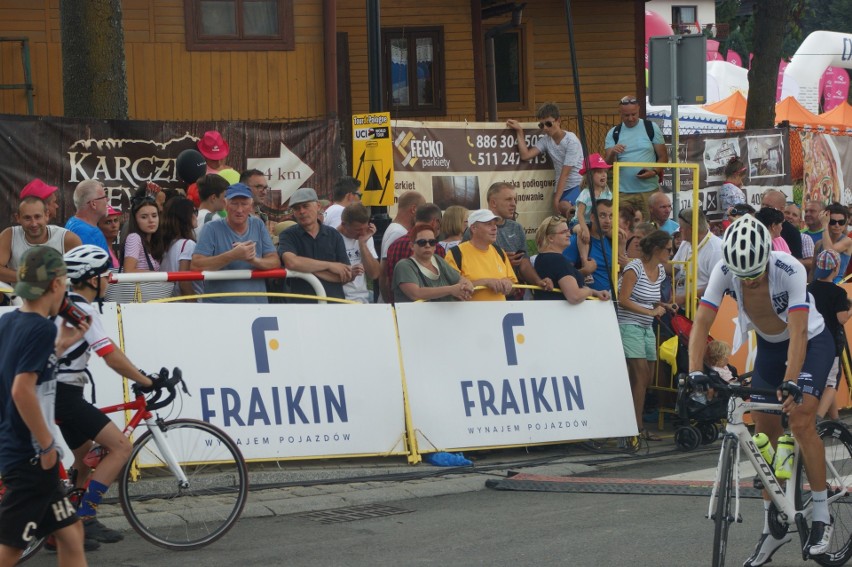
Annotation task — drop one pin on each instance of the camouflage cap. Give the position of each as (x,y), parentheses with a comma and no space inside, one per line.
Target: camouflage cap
(39,266)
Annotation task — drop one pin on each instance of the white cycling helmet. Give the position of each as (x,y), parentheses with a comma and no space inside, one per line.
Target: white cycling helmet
(86,261)
(746,246)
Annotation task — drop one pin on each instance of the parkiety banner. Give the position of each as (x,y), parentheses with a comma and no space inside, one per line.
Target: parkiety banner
(125,154)
(454,163)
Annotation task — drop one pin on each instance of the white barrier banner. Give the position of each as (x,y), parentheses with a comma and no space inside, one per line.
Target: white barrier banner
(513,373)
(284,381)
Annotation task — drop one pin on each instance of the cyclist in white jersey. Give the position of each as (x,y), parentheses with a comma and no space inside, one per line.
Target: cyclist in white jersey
(793,344)
(79,421)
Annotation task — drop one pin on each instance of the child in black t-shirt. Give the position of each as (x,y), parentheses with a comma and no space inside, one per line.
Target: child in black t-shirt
(833,304)
(34,503)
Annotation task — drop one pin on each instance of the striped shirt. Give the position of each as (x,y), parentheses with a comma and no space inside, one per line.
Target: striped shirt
(645,293)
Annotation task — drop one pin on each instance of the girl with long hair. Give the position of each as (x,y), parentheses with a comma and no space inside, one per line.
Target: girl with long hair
(180,218)
(143,246)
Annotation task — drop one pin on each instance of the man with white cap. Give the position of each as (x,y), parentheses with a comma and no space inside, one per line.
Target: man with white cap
(314,248)
(240,242)
(481,261)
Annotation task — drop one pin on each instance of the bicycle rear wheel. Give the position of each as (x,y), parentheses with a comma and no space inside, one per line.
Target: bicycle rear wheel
(184,517)
(723,516)
(838,458)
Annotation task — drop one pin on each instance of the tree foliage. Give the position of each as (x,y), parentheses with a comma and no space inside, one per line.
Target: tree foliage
(94,78)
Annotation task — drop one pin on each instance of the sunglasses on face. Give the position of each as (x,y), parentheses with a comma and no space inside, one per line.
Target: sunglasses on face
(836,222)
(423,242)
(548,123)
(752,278)
(357,194)
(628,100)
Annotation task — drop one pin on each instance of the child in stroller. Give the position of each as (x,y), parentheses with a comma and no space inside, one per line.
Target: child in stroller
(699,417)
(700,414)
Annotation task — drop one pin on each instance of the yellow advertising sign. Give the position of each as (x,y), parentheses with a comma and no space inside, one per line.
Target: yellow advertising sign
(372,157)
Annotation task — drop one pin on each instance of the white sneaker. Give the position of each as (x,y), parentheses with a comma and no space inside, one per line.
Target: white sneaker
(766,547)
(820,538)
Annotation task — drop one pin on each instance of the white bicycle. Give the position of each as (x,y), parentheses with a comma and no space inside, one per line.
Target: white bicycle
(791,501)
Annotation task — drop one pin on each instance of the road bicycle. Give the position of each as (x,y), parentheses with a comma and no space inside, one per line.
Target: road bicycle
(185,483)
(790,501)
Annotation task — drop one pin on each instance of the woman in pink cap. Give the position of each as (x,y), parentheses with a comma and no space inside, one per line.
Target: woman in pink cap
(110,225)
(599,169)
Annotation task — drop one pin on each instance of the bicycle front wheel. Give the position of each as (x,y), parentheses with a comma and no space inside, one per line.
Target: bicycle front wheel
(838,463)
(184,517)
(723,516)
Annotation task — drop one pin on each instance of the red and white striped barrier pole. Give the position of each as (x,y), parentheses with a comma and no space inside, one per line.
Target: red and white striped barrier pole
(220,275)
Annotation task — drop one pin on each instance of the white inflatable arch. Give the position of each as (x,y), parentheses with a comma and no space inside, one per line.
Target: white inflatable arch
(820,50)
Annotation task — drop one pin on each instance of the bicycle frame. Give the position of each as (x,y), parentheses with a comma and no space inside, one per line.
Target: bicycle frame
(141,413)
(783,499)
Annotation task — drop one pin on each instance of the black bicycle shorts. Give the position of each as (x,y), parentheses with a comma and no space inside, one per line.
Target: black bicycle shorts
(34,505)
(79,421)
(771,363)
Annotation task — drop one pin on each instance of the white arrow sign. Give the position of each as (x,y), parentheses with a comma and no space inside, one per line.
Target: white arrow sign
(285,173)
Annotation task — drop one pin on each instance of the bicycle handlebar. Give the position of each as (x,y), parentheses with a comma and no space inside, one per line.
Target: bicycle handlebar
(714,381)
(164,382)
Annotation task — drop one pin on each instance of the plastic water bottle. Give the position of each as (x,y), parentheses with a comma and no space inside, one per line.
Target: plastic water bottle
(764,446)
(784,457)
(94,456)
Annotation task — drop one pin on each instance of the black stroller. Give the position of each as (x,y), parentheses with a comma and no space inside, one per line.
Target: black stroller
(698,421)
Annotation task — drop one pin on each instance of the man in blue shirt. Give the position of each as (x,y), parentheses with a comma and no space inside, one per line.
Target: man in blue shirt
(90,200)
(239,242)
(630,142)
(598,266)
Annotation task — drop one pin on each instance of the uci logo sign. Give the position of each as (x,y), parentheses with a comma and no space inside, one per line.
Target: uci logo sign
(365,134)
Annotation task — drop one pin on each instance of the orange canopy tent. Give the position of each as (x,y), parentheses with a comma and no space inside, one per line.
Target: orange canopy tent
(792,111)
(838,120)
(734,107)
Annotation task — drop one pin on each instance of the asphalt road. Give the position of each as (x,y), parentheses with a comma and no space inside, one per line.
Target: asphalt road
(485,527)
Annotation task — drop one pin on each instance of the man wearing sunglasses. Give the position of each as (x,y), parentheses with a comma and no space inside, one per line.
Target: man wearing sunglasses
(834,219)
(564,150)
(635,140)
(257,182)
(91,202)
(344,193)
(793,345)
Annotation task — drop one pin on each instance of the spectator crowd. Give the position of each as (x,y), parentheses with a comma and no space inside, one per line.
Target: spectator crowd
(430,254)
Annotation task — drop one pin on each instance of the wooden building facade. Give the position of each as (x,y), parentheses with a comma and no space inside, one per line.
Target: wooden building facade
(433,59)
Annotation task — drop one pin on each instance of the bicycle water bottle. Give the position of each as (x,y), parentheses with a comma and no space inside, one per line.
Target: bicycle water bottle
(784,457)
(94,456)
(764,446)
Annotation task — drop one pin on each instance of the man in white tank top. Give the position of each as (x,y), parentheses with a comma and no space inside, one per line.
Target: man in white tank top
(33,230)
